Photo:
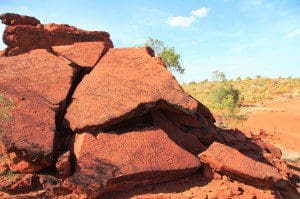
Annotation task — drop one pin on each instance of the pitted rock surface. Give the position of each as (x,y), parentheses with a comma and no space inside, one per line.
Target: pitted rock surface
(28,133)
(126,82)
(37,74)
(113,161)
(84,54)
(37,82)
(231,162)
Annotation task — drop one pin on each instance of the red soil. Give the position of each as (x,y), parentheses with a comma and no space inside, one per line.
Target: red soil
(283,125)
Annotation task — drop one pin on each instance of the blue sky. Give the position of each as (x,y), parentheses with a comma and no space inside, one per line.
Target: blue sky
(242,38)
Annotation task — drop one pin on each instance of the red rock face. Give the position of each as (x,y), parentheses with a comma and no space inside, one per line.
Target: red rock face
(37,74)
(15,19)
(126,82)
(84,54)
(231,162)
(36,84)
(23,34)
(113,161)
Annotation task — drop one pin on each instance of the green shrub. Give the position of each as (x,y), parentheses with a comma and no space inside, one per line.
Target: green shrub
(6,105)
(225,97)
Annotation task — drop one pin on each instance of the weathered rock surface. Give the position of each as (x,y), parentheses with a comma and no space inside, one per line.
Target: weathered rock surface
(132,124)
(16,19)
(37,74)
(113,161)
(84,54)
(231,162)
(37,83)
(125,83)
(21,36)
(187,141)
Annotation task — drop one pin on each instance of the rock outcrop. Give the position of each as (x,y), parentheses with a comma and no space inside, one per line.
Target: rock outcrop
(113,161)
(125,83)
(24,33)
(81,119)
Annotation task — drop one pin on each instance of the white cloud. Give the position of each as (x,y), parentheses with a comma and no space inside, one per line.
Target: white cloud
(181,21)
(187,21)
(201,12)
(293,34)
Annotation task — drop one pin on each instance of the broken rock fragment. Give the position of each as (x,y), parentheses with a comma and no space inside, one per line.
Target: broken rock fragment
(84,54)
(230,162)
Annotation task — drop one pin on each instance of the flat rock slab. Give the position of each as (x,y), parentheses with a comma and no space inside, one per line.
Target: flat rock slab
(111,162)
(126,82)
(37,74)
(84,54)
(27,132)
(232,163)
(36,82)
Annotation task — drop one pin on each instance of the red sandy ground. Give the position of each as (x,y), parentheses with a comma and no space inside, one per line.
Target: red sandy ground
(283,125)
(194,187)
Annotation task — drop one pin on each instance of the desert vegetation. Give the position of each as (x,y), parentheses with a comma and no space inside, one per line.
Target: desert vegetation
(227,98)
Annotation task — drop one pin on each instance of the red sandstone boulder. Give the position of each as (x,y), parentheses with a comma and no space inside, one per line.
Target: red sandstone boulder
(232,163)
(28,133)
(126,83)
(16,19)
(21,35)
(36,84)
(112,161)
(84,54)
(37,74)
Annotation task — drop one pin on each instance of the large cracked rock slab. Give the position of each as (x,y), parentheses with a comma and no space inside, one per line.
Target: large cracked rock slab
(37,83)
(232,163)
(24,33)
(126,82)
(84,54)
(113,161)
(38,74)
(27,132)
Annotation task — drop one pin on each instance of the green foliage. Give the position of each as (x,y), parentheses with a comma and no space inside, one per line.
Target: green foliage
(226,98)
(221,96)
(167,54)
(252,91)
(6,105)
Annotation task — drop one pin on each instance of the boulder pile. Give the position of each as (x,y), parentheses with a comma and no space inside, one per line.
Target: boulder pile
(80,118)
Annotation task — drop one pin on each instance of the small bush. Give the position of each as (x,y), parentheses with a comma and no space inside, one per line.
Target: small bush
(225,97)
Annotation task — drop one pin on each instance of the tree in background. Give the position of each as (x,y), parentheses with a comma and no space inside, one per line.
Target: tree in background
(219,76)
(224,96)
(167,54)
